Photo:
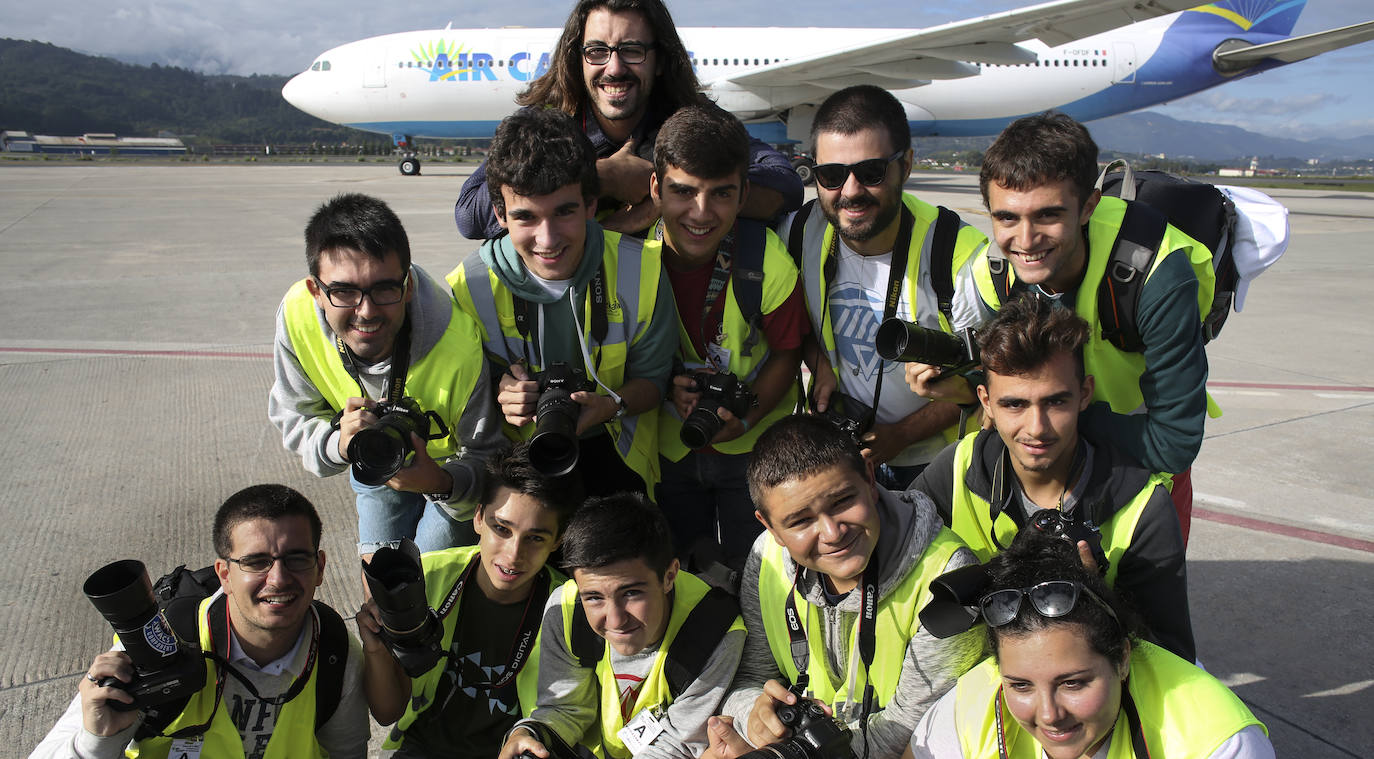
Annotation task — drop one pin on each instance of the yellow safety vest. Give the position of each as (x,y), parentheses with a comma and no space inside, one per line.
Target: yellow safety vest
(897,623)
(442,569)
(1185,713)
(442,380)
(654,693)
(779,280)
(632,279)
(971,517)
(1117,372)
(292,737)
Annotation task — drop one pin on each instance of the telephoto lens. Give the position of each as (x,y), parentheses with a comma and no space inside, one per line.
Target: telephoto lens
(899,340)
(396,580)
(554,449)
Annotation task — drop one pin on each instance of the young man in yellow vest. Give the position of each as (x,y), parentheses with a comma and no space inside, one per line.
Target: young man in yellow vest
(830,594)
(559,294)
(740,314)
(276,654)
(368,328)
(636,654)
(990,486)
(868,252)
(490,598)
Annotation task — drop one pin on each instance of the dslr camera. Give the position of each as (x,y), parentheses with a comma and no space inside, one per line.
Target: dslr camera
(378,452)
(853,417)
(554,449)
(899,340)
(410,628)
(166,668)
(717,391)
(815,735)
(1053,522)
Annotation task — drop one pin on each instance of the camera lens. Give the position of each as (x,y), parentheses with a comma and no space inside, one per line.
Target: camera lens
(700,428)
(554,447)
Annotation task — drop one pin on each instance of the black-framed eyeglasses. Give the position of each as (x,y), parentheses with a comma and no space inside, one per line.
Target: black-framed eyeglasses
(1053,598)
(629,52)
(296,562)
(384,293)
(870,172)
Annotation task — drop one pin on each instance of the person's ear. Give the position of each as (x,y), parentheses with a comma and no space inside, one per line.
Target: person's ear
(670,576)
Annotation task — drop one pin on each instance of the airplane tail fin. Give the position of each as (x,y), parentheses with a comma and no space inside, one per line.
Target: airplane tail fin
(1275,17)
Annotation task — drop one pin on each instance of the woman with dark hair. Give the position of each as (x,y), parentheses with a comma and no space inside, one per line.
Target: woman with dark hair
(1070,679)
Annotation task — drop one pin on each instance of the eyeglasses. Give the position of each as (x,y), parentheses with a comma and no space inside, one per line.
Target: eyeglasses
(629,52)
(1053,598)
(382,294)
(296,562)
(870,172)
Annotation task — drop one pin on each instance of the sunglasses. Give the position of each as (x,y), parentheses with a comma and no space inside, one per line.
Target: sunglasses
(1053,598)
(870,172)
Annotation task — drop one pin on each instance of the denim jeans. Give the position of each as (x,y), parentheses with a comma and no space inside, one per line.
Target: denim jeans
(704,492)
(385,516)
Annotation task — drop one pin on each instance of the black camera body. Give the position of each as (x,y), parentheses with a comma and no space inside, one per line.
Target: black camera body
(554,448)
(717,391)
(815,735)
(853,417)
(899,340)
(411,629)
(379,451)
(1053,522)
(166,668)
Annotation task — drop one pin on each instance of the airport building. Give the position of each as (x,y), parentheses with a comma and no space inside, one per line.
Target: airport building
(90,144)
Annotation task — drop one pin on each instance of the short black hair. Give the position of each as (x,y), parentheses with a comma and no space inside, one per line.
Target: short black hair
(512,470)
(1037,150)
(796,447)
(356,222)
(537,151)
(272,502)
(863,106)
(1028,333)
(703,140)
(615,528)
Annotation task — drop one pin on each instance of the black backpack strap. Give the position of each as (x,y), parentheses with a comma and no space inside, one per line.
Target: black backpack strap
(587,646)
(329,668)
(182,614)
(798,231)
(746,276)
(705,627)
(942,261)
(1133,255)
(1227,278)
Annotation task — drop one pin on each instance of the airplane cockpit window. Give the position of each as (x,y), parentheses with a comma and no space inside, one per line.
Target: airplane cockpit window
(315,66)
(324,66)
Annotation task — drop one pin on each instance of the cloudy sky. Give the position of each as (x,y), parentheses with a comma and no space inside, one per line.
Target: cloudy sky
(1326,96)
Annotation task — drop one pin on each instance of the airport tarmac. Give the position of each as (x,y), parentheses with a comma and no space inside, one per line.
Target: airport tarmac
(140,304)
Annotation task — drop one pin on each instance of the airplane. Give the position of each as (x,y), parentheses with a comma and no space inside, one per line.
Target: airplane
(1087,58)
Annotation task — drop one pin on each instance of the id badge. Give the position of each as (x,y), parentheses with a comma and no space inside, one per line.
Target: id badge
(186,748)
(641,731)
(718,357)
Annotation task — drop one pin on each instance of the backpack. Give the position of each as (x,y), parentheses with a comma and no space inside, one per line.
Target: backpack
(179,593)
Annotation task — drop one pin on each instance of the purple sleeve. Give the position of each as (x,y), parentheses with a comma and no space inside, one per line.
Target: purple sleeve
(472,212)
(771,169)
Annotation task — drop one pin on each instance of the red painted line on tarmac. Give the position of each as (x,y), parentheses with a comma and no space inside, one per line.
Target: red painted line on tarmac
(120,352)
(1280,386)
(1274,528)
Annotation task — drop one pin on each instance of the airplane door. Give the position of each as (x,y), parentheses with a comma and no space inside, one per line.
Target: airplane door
(1123,63)
(374,71)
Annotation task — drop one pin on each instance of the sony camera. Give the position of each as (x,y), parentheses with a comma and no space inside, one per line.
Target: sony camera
(410,628)
(717,391)
(854,418)
(166,668)
(1053,522)
(554,448)
(899,340)
(815,735)
(378,452)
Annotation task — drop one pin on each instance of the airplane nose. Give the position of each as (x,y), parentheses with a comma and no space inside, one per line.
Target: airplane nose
(294,92)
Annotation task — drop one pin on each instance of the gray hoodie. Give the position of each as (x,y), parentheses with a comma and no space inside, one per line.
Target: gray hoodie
(907,525)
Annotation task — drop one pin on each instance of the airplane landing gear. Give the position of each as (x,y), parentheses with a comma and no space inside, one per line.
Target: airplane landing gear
(410,166)
(802,165)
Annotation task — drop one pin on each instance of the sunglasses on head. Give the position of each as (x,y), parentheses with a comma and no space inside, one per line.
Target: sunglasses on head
(870,172)
(1053,598)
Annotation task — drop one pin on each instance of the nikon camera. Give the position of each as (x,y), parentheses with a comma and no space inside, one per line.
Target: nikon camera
(815,735)
(378,452)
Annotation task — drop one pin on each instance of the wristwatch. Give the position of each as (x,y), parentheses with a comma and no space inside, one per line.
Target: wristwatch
(619,408)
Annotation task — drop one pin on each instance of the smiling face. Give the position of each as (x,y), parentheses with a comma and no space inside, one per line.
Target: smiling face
(1041,232)
(627,603)
(548,231)
(828,522)
(697,213)
(515,535)
(1036,414)
(368,329)
(269,607)
(619,92)
(1065,694)
(866,217)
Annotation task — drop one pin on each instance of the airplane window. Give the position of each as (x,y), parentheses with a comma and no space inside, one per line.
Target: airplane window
(325,66)
(756,61)
(316,67)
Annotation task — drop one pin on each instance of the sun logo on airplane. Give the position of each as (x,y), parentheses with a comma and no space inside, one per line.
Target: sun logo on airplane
(445,61)
(1248,14)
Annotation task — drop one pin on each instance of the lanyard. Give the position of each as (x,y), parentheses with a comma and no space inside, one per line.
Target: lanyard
(525,322)
(868,615)
(1138,747)
(720,276)
(400,364)
(298,685)
(523,643)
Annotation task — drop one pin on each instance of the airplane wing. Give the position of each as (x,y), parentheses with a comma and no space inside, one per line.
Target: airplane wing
(1295,48)
(911,58)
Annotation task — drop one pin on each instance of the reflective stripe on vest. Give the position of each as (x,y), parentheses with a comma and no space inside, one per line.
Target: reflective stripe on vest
(970,514)
(442,569)
(897,623)
(632,276)
(293,735)
(1117,372)
(442,380)
(687,592)
(1185,713)
(779,280)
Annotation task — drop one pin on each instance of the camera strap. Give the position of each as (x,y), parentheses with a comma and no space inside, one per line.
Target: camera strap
(400,364)
(525,319)
(522,645)
(298,685)
(868,620)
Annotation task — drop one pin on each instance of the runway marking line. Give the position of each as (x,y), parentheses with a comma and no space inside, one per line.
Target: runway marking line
(130,352)
(1274,528)
(1282,386)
